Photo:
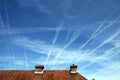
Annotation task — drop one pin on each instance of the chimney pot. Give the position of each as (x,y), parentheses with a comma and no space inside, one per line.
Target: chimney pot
(73,68)
(39,69)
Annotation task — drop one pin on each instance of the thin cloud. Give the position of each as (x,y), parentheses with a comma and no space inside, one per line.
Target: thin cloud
(106,56)
(105,72)
(28,30)
(40,47)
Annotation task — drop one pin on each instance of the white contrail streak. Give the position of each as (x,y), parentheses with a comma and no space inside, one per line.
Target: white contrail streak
(73,38)
(14,63)
(98,31)
(103,57)
(106,41)
(8,26)
(109,25)
(30,30)
(10,49)
(57,34)
(93,35)
(2,25)
(54,41)
(68,35)
(49,53)
(75,35)
(26,59)
(108,54)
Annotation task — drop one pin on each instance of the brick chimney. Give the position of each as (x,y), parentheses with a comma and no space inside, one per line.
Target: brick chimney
(73,68)
(39,69)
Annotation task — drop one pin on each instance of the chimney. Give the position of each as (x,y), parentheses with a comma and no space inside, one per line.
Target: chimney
(39,69)
(73,68)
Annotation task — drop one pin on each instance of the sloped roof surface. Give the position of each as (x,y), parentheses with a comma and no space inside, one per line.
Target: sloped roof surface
(47,75)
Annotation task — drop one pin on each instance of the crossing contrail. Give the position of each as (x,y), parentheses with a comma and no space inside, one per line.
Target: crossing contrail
(93,35)
(73,38)
(99,30)
(54,41)
(96,34)
(49,53)
(57,34)
(10,49)
(105,41)
(109,25)
(106,56)
(2,25)
(75,35)
(68,35)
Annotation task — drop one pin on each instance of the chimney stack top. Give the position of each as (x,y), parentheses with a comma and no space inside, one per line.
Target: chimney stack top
(39,66)
(39,69)
(73,66)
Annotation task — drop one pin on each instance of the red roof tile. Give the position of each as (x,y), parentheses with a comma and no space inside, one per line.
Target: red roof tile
(47,75)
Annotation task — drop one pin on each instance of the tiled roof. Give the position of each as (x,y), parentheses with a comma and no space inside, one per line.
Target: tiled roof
(47,75)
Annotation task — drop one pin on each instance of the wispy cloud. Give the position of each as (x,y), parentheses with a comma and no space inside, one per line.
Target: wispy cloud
(42,47)
(106,56)
(67,56)
(28,30)
(17,61)
(105,72)
(35,4)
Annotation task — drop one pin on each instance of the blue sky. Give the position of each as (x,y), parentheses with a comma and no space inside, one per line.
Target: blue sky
(58,33)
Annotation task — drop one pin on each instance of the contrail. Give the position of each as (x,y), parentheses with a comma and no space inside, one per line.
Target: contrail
(54,41)
(92,36)
(68,34)
(26,59)
(2,25)
(57,34)
(73,38)
(48,57)
(109,25)
(14,63)
(106,41)
(7,18)
(100,58)
(30,30)
(95,34)
(98,31)
(107,53)
(8,30)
